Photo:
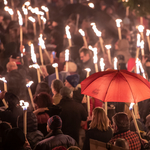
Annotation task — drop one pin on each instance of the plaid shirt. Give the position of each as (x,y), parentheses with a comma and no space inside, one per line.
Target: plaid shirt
(131,137)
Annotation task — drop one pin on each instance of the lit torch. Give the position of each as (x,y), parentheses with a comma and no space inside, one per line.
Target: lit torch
(67,58)
(142,48)
(118,21)
(95,59)
(141,30)
(55,65)
(102,64)
(34,24)
(68,35)
(115,63)
(25,11)
(108,47)
(84,38)
(147,34)
(5,83)
(46,10)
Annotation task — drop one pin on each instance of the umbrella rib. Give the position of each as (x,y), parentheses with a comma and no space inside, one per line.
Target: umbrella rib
(129,85)
(109,86)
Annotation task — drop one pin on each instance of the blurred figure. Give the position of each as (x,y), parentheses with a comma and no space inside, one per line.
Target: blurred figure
(56,87)
(99,128)
(56,136)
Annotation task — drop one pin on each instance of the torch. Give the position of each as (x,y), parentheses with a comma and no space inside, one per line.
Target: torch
(138,45)
(108,47)
(40,50)
(46,10)
(37,12)
(102,64)
(24,106)
(115,63)
(67,58)
(147,34)
(141,30)
(91,5)
(5,83)
(30,93)
(43,21)
(20,23)
(55,65)
(34,25)
(25,11)
(84,38)
(4,102)
(118,21)
(142,48)
(88,98)
(68,35)
(95,59)
(99,34)
(134,119)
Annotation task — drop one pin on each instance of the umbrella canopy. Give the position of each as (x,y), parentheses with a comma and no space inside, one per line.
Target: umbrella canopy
(116,86)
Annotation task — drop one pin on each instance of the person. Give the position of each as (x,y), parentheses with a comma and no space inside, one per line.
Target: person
(99,128)
(16,83)
(44,110)
(56,137)
(122,143)
(72,114)
(71,82)
(13,111)
(33,134)
(56,87)
(121,126)
(15,140)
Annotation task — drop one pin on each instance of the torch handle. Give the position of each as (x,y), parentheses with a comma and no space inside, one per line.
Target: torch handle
(96,67)
(5,86)
(106,108)
(148,42)
(56,71)
(47,15)
(101,42)
(85,42)
(119,33)
(88,105)
(34,28)
(25,122)
(38,75)
(41,55)
(4,102)
(47,55)
(66,66)
(31,97)
(21,36)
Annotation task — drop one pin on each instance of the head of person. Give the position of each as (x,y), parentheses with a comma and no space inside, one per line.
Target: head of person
(43,100)
(66,92)
(12,100)
(85,54)
(72,81)
(99,119)
(16,139)
(56,86)
(54,123)
(73,148)
(42,87)
(11,66)
(120,122)
(122,143)
(32,124)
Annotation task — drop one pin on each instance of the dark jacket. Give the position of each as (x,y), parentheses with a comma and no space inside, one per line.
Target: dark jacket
(103,136)
(72,114)
(57,138)
(16,84)
(77,96)
(42,117)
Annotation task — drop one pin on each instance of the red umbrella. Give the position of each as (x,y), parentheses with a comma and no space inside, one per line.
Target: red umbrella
(116,86)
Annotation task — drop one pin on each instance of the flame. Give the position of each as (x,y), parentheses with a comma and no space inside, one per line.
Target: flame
(137,66)
(98,33)
(33,56)
(138,40)
(90,47)
(102,64)
(147,32)
(31,19)
(44,8)
(55,65)
(118,21)
(6,8)
(41,13)
(36,66)
(41,42)
(108,47)
(27,3)
(29,83)
(141,28)
(91,5)
(67,55)
(68,32)
(24,104)
(87,69)
(11,12)
(5,2)
(36,10)
(25,10)
(3,79)
(82,32)
(95,59)
(43,19)
(115,63)
(21,102)
(20,18)
(142,44)
(131,106)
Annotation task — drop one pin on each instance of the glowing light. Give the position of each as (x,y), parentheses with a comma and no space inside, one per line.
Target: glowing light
(147,32)
(68,32)
(20,18)
(87,69)
(97,32)
(44,8)
(31,19)
(91,5)
(55,65)
(29,83)
(131,106)
(81,32)
(67,55)
(3,79)
(118,22)
(33,56)
(141,28)
(108,46)
(102,64)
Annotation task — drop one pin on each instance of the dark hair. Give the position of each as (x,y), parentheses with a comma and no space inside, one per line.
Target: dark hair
(43,100)
(42,87)
(120,142)
(84,50)
(121,120)
(57,85)
(3,127)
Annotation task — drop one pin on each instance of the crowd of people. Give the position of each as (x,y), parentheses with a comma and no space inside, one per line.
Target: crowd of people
(59,118)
